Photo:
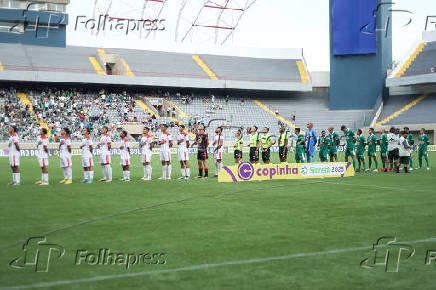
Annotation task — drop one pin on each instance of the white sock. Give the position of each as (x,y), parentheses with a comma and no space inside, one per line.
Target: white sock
(91,174)
(188,172)
(145,172)
(127,174)
(42,177)
(219,167)
(45,177)
(13,177)
(183,170)
(169,171)
(109,172)
(149,169)
(85,175)
(70,173)
(103,169)
(64,169)
(164,171)
(17,177)
(216,168)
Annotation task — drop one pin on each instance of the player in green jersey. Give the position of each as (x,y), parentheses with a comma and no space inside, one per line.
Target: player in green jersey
(350,145)
(422,148)
(265,143)
(360,152)
(300,145)
(323,144)
(372,149)
(411,142)
(283,144)
(238,144)
(384,149)
(334,143)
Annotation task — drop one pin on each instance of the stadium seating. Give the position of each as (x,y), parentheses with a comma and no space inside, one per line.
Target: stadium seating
(421,113)
(424,61)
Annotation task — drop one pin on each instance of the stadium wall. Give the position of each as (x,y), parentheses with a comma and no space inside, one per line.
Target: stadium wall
(38,28)
(356,81)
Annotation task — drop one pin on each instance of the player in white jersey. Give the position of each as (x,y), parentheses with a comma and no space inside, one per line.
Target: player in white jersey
(218,151)
(43,156)
(393,148)
(87,158)
(65,156)
(146,147)
(165,143)
(125,156)
(14,155)
(183,154)
(105,154)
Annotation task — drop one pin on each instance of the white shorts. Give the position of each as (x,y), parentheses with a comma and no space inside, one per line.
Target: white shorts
(146,157)
(165,156)
(125,161)
(183,155)
(14,160)
(105,159)
(43,162)
(65,161)
(87,161)
(218,155)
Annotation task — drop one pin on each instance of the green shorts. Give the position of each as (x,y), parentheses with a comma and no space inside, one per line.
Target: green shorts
(323,155)
(372,154)
(360,155)
(383,154)
(350,152)
(299,157)
(422,153)
(333,152)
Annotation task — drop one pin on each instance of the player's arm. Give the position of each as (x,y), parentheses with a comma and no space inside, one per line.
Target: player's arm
(170,142)
(17,146)
(109,145)
(187,143)
(271,143)
(128,148)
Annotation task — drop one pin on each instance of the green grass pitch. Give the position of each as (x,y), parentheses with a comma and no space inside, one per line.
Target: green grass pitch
(258,235)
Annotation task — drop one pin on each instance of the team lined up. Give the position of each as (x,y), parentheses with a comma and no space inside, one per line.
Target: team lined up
(165,142)
(395,149)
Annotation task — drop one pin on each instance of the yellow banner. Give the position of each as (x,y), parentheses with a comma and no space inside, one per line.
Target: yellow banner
(246,171)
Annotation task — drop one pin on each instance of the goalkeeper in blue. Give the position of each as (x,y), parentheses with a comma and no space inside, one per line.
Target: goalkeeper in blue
(310,143)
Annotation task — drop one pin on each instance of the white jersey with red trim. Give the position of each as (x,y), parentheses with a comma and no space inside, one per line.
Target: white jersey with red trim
(12,148)
(219,140)
(105,141)
(166,137)
(184,144)
(63,147)
(86,149)
(146,142)
(124,154)
(42,142)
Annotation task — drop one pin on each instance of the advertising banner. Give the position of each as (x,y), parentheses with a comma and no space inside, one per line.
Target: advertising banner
(246,171)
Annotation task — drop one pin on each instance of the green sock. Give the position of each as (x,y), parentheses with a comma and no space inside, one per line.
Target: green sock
(376,164)
(411,162)
(391,164)
(364,167)
(354,163)
(420,161)
(426,160)
(358,163)
(369,163)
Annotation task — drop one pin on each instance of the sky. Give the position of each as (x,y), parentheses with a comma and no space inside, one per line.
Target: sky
(266,24)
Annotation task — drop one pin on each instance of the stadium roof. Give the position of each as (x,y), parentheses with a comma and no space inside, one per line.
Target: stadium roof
(75,64)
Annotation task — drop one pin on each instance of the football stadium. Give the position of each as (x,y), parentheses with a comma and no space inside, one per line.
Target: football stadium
(227,144)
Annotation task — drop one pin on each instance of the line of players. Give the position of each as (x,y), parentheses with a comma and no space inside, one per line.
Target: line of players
(146,144)
(395,148)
